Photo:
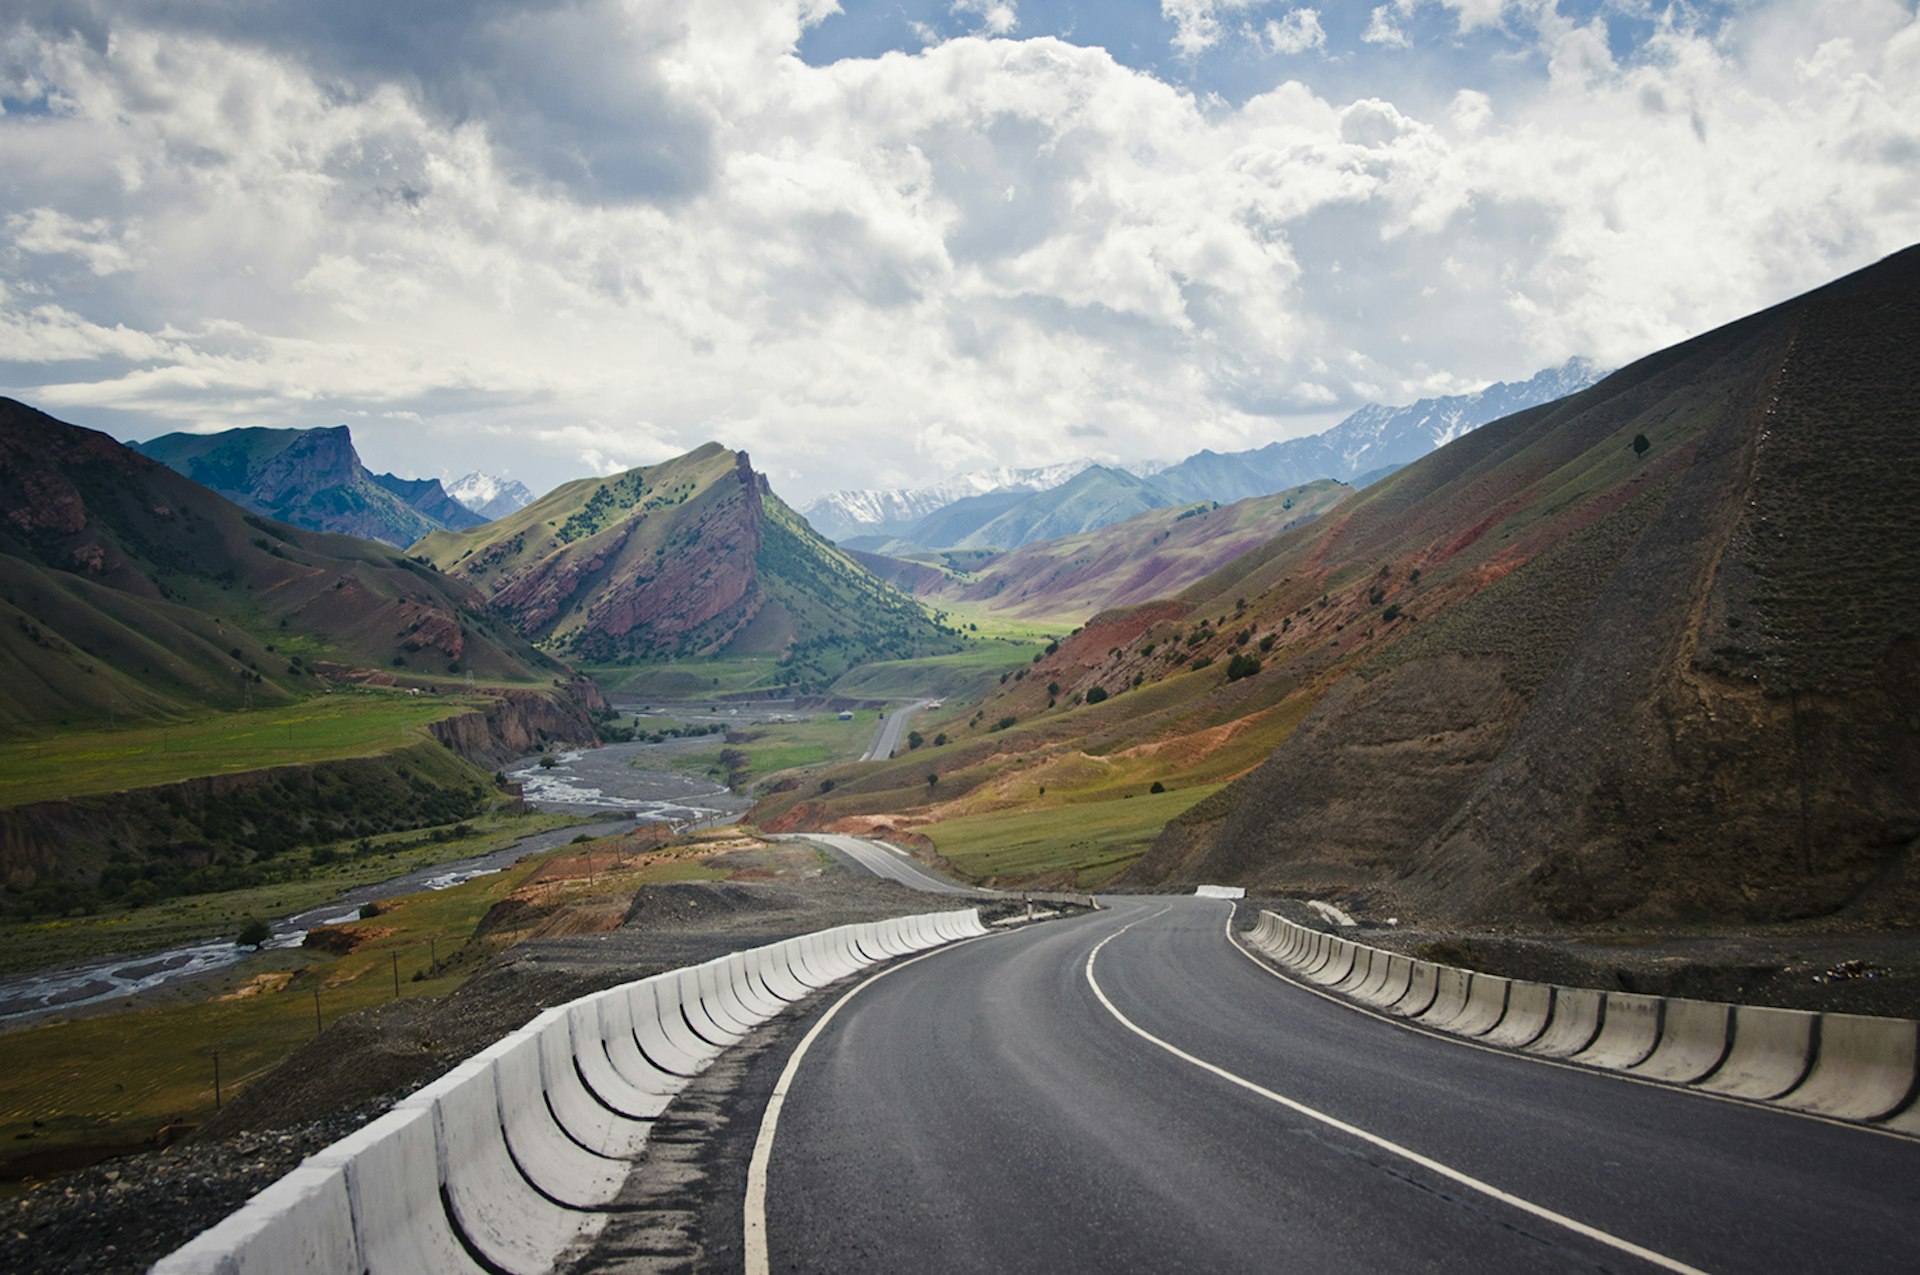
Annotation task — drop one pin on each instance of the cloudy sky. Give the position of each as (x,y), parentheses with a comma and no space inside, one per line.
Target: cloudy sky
(875,244)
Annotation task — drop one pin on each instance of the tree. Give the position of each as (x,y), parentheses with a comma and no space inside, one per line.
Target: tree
(1096,694)
(253,933)
(547,761)
(1242,665)
(932,780)
(1640,444)
(915,739)
(1157,787)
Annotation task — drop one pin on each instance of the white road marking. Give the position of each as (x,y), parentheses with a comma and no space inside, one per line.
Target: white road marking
(754,1241)
(1467,1180)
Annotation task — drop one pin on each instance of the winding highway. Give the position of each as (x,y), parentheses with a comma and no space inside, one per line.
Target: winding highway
(1128,1090)
(879,860)
(893,728)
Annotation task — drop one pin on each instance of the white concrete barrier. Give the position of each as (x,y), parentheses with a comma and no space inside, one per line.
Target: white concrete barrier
(1771,1053)
(1361,970)
(302,1222)
(622,1043)
(1486,1005)
(1529,1009)
(555,1164)
(1694,1039)
(1845,1066)
(1449,997)
(1863,1068)
(1629,1032)
(1338,965)
(597,1074)
(491,1202)
(1422,986)
(400,1219)
(509,1160)
(1577,1015)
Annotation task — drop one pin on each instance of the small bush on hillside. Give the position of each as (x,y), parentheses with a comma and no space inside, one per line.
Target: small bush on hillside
(1242,665)
(1096,695)
(253,933)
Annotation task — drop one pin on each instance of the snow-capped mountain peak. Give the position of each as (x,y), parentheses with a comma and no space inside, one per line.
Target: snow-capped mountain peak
(490,495)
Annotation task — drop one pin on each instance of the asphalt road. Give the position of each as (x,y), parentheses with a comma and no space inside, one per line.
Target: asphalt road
(893,728)
(985,1108)
(881,861)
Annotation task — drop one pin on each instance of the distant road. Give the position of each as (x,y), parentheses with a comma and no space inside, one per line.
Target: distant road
(881,861)
(893,728)
(1127,1091)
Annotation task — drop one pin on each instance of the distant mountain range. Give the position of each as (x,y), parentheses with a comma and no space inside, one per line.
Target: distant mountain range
(311,478)
(842,514)
(128,592)
(490,495)
(693,557)
(1155,554)
(1067,500)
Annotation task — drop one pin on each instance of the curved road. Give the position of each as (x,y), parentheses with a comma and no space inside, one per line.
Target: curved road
(880,860)
(1014,1104)
(893,728)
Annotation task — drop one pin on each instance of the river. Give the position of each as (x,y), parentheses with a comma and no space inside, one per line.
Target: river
(603,782)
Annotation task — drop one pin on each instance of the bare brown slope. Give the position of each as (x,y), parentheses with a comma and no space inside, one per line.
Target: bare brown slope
(1679,685)
(127,590)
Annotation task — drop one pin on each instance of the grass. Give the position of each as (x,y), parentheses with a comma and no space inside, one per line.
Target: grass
(776,746)
(324,728)
(110,1081)
(40,944)
(1095,840)
(685,680)
(961,675)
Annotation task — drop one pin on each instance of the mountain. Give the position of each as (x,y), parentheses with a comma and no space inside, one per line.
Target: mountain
(490,495)
(694,557)
(1649,653)
(1094,497)
(843,514)
(1151,555)
(311,478)
(1373,438)
(129,591)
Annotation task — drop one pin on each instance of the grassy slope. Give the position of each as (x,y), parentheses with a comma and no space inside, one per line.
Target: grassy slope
(347,724)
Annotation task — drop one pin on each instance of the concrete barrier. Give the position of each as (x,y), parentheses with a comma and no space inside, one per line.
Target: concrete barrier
(1694,1039)
(666,1036)
(302,1222)
(1399,978)
(1361,970)
(1629,1031)
(400,1220)
(1422,986)
(1863,1068)
(585,1118)
(1320,950)
(1577,1015)
(491,1202)
(1379,967)
(1449,997)
(509,1160)
(1338,965)
(1771,1053)
(557,1166)
(1529,1009)
(1486,1005)
(595,1070)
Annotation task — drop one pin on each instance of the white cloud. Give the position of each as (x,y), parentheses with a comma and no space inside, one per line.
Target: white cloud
(1382,30)
(997,17)
(904,264)
(1297,31)
(1196,23)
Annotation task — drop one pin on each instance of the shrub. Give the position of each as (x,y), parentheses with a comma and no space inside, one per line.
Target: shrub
(253,933)
(940,739)
(1391,614)
(1242,665)
(1096,695)
(1157,787)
